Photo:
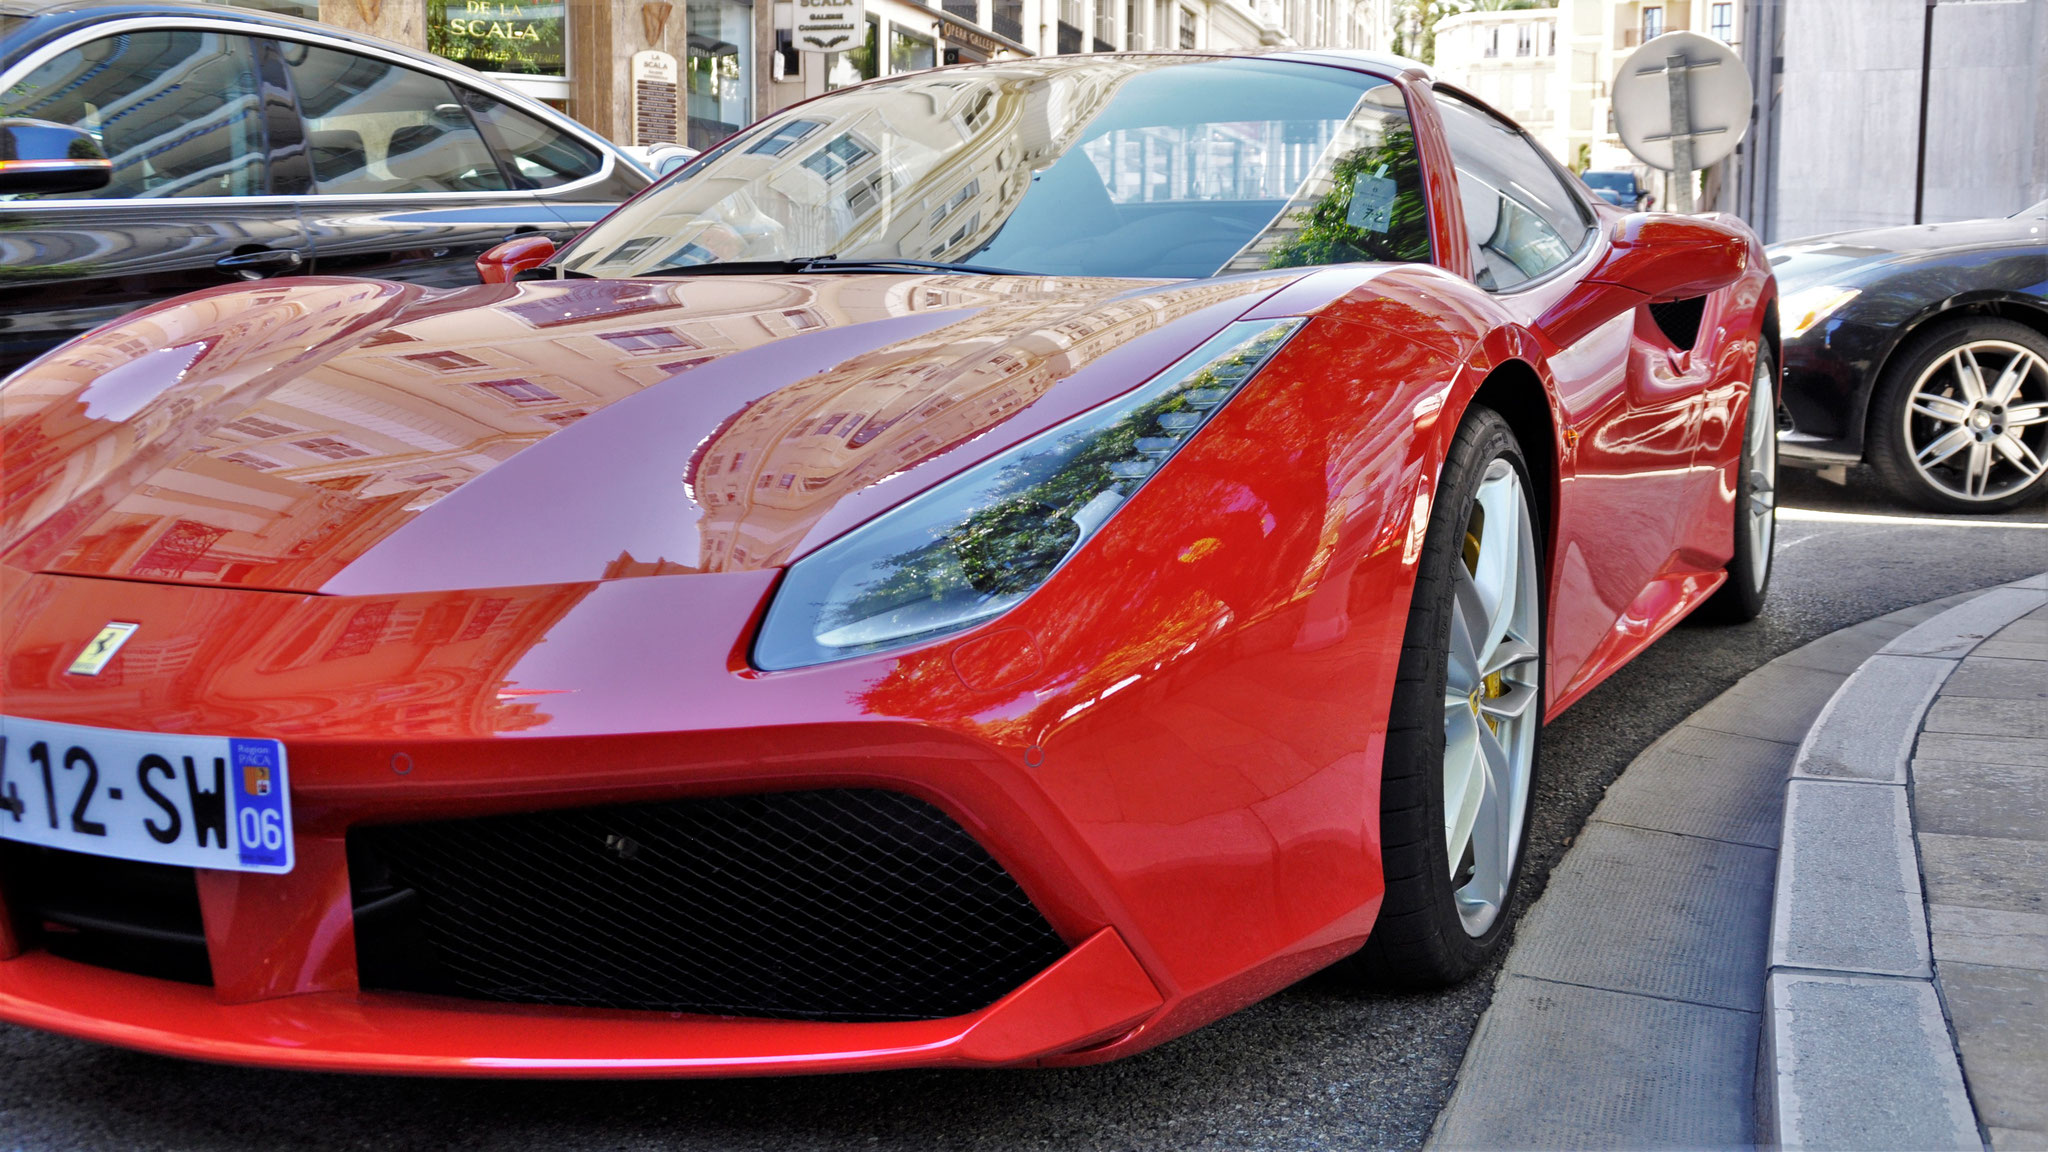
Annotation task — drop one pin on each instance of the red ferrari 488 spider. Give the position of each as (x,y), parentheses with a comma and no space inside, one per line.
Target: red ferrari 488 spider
(998,565)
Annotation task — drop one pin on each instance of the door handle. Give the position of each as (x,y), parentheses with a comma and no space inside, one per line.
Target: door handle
(261,262)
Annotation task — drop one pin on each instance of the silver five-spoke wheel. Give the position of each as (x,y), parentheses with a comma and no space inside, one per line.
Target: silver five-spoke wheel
(1490,697)
(1761,514)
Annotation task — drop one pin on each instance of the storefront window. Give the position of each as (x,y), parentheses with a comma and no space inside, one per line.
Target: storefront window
(844,69)
(909,53)
(720,75)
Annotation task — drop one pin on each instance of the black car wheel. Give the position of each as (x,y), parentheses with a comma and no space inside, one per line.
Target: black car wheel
(1460,759)
(1960,420)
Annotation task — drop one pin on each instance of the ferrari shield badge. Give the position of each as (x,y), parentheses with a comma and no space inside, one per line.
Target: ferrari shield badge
(102,649)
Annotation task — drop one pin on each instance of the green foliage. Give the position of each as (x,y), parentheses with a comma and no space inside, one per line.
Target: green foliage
(1326,237)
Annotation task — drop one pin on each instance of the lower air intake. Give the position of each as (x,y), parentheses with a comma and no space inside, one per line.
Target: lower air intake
(828,905)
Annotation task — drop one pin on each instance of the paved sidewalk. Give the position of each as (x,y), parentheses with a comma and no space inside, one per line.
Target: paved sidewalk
(1911,919)
(1632,1007)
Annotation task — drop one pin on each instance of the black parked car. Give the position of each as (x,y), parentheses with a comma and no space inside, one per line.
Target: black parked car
(245,144)
(1924,351)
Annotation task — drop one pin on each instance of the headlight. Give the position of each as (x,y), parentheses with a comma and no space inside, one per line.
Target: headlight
(1809,306)
(985,539)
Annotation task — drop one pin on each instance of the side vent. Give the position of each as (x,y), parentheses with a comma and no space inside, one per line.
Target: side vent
(1679,320)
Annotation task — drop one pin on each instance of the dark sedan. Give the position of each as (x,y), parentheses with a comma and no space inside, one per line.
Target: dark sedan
(246,145)
(1924,352)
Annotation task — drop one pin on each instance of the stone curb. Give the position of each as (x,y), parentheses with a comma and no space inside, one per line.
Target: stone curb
(1855,1050)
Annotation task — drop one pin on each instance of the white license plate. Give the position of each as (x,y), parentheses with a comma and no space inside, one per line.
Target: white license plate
(200,801)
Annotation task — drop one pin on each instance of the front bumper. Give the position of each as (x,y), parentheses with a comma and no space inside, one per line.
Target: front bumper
(1095,993)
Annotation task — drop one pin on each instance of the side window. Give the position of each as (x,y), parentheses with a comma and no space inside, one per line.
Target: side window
(540,155)
(1522,219)
(376,127)
(177,111)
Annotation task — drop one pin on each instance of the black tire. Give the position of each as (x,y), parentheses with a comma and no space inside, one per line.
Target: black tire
(1419,940)
(1887,447)
(1741,597)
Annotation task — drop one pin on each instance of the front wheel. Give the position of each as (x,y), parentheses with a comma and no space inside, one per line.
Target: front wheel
(1460,758)
(1741,597)
(1960,422)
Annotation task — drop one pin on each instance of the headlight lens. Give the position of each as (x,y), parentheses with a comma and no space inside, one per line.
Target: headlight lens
(1809,306)
(982,541)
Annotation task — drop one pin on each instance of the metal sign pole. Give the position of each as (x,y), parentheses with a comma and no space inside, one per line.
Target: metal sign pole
(1676,74)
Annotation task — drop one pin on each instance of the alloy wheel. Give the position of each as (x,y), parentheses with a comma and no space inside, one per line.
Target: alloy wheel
(1491,686)
(1762,457)
(1976,421)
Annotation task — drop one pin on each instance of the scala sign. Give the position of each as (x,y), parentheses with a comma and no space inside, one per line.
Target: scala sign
(829,25)
(523,36)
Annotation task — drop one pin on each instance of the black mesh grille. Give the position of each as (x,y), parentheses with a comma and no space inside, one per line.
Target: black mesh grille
(120,914)
(827,905)
(1680,319)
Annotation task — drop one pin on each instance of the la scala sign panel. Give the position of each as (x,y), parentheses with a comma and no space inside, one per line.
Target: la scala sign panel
(829,25)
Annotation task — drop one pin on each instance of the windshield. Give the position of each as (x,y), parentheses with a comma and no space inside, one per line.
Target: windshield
(1114,166)
(2038,210)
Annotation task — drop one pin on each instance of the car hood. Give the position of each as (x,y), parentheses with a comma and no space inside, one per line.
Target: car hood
(361,437)
(1839,256)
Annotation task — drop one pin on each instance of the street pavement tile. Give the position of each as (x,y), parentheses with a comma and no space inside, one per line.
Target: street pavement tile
(2026,629)
(1869,724)
(1616,1071)
(2000,1017)
(1699,782)
(2013,649)
(1845,651)
(1976,716)
(1988,936)
(1999,679)
(1964,799)
(2014,1140)
(1982,749)
(1681,917)
(1776,702)
(1863,1062)
(1985,872)
(1848,892)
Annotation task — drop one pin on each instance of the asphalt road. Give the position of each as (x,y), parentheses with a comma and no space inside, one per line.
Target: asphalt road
(1320,1065)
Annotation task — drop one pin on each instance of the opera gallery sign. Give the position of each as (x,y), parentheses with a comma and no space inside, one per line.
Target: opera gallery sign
(829,25)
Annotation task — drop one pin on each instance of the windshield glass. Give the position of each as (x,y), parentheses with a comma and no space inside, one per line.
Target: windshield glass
(1114,166)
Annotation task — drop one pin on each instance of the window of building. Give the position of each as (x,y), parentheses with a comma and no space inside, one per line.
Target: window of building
(649,340)
(845,69)
(1187,28)
(777,142)
(331,448)
(1492,42)
(176,111)
(1653,22)
(908,53)
(839,154)
(719,73)
(1722,23)
(519,391)
(445,361)
(373,127)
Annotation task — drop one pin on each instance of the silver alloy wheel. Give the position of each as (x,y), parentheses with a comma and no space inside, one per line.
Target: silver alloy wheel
(1491,708)
(1763,474)
(1976,421)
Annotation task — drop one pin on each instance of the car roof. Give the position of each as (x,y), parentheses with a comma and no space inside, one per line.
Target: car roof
(49,18)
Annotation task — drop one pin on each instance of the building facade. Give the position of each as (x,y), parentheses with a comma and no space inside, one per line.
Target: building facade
(1507,59)
(1595,38)
(694,71)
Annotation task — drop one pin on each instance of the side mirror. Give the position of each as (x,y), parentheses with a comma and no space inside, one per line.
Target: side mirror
(503,263)
(38,156)
(1651,256)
